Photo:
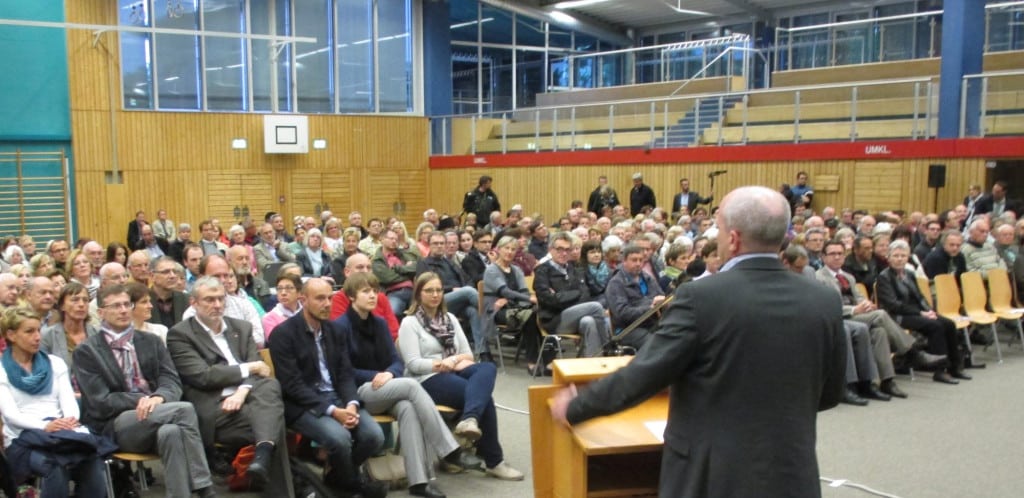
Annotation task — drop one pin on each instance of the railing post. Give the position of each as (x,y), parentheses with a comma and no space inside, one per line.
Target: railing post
(796,117)
(664,126)
(696,121)
(931,35)
(984,102)
(917,98)
(881,43)
(746,113)
(554,130)
(536,131)
(444,136)
(572,128)
(611,127)
(928,107)
(721,117)
(472,135)
(653,111)
(853,114)
(504,133)
(963,107)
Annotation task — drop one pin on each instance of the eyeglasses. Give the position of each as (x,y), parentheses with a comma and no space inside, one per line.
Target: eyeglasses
(286,288)
(561,249)
(433,292)
(119,306)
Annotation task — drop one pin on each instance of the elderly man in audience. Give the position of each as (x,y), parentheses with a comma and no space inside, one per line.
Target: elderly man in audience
(1006,244)
(395,269)
(947,258)
(271,248)
(866,225)
(980,255)
(371,243)
(169,304)
(10,289)
(319,388)
(430,216)
(814,242)
(355,219)
(110,274)
(460,297)
(149,242)
(632,292)
(41,297)
(237,307)
(899,295)
(236,400)
(253,285)
(131,391)
(564,300)
(886,335)
(163,228)
(138,267)
(96,255)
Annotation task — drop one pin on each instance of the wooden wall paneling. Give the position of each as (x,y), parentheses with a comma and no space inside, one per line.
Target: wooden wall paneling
(875,190)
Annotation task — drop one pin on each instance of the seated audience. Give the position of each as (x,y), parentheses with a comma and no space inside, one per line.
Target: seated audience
(288,304)
(631,293)
(314,260)
(507,300)
(142,311)
(459,295)
(395,268)
(74,327)
(437,354)
(360,263)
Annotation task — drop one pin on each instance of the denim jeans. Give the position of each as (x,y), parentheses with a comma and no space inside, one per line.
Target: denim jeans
(347,449)
(464,302)
(470,391)
(88,475)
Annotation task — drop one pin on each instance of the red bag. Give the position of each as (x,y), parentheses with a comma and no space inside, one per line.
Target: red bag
(239,481)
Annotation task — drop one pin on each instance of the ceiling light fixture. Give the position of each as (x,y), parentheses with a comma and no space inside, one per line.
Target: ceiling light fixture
(562,17)
(577,3)
(678,7)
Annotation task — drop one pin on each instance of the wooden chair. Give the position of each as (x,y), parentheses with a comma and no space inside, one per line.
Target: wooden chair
(265,355)
(129,457)
(926,290)
(863,289)
(1000,295)
(555,340)
(947,304)
(975,298)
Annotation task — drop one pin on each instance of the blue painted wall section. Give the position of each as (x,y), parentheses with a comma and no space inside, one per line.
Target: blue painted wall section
(963,39)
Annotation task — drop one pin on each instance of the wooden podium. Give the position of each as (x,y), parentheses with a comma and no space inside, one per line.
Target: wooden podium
(617,455)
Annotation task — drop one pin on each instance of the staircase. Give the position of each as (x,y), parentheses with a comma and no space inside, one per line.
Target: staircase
(684,134)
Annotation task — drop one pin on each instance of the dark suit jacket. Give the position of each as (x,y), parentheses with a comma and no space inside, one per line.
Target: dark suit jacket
(899,300)
(205,371)
(691,201)
(297,368)
(452,276)
(938,262)
(302,259)
(625,301)
(639,197)
(134,233)
(104,391)
(161,243)
(748,372)
(175,250)
(984,205)
(177,309)
(474,265)
(556,292)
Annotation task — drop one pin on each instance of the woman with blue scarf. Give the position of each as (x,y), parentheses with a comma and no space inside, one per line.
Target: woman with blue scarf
(36,398)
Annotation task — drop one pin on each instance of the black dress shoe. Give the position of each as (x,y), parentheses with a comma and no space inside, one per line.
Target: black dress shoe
(922,360)
(869,391)
(259,469)
(428,490)
(374,489)
(959,374)
(851,398)
(889,387)
(944,378)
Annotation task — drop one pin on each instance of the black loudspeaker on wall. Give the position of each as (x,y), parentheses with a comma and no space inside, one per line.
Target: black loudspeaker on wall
(937,176)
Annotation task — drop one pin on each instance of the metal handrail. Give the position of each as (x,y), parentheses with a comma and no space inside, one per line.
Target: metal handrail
(704,69)
(984,77)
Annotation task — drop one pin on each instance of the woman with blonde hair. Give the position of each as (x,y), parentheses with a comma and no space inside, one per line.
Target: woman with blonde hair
(80,270)
(423,238)
(41,264)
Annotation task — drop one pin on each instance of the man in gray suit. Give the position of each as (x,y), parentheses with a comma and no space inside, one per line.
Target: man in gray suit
(130,391)
(747,378)
(237,402)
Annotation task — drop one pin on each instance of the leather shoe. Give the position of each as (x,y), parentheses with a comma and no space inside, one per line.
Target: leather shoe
(374,489)
(259,469)
(944,378)
(889,387)
(959,374)
(869,391)
(922,360)
(428,490)
(851,398)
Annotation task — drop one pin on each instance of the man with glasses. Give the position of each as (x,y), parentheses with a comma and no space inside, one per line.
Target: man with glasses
(932,231)
(886,335)
(460,297)
(478,258)
(237,402)
(168,304)
(237,307)
(131,391)
(814,240)
(359,263)
(564,299)
(395,269)
(59,251)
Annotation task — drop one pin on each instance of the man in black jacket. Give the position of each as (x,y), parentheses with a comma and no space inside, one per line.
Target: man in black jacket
(564,300)
(477,260)
(640,196)
(481,201)
(311,361)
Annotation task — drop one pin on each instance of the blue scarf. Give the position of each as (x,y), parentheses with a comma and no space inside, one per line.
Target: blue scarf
(40,381)
(599,272)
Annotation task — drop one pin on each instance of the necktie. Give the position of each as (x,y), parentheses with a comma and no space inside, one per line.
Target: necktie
(844,284)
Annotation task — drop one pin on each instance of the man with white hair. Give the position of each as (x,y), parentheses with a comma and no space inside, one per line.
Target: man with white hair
(722,345)
(430,216)
(866,225)
(980,255)
(1006,244)
(94,252)
(138,267)
(8,290)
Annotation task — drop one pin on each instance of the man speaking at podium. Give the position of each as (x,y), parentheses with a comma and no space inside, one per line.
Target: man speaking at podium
(748,367)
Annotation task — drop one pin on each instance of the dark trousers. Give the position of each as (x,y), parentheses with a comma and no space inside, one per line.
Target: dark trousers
(54,478)
(347,449)
(470,391)
(941,334)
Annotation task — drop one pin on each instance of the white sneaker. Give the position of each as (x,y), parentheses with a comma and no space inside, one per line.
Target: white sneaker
(505,472)
(468,429)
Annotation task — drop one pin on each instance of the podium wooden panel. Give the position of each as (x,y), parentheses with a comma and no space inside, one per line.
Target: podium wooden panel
(616,455)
